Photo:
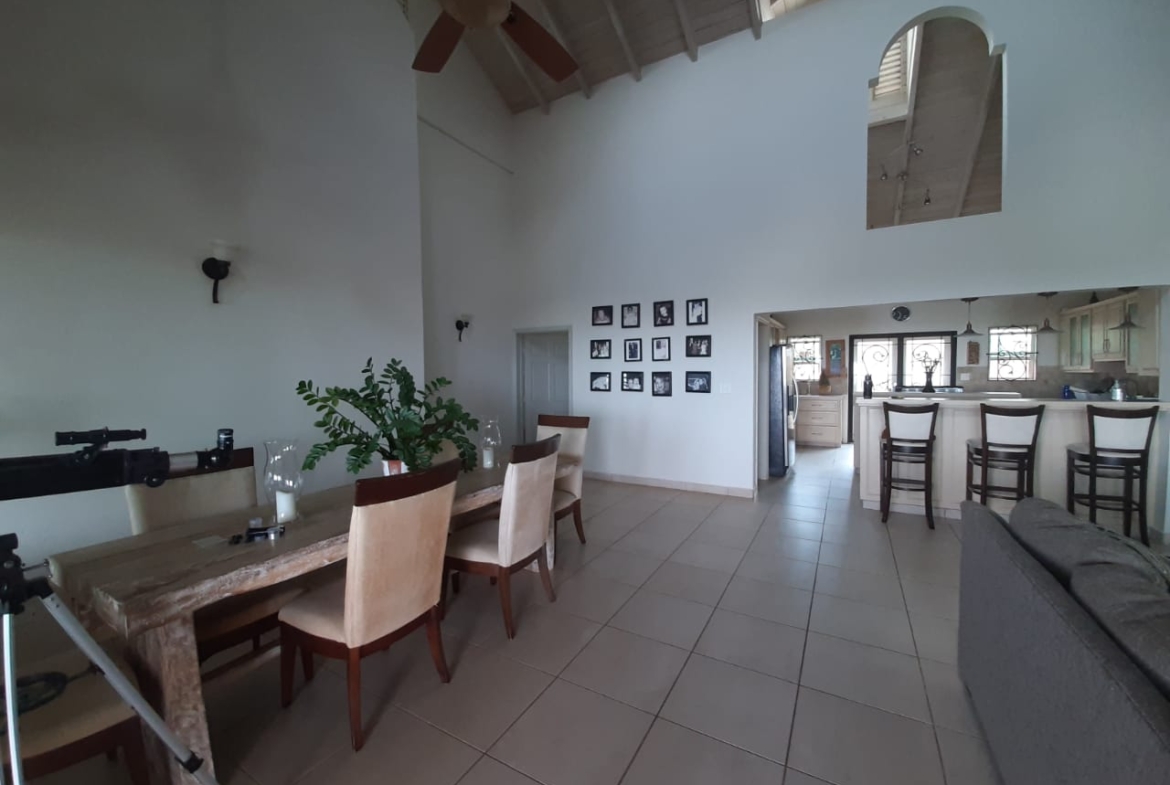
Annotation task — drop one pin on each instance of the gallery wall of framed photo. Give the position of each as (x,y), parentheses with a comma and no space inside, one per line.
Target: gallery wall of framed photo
(623,335)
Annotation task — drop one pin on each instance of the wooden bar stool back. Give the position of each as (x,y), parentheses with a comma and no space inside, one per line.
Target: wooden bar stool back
(567,492)
(908,439)
(1008,443)
(1118,450)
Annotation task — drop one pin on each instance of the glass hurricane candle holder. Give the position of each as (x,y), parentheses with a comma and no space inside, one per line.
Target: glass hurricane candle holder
(282,478)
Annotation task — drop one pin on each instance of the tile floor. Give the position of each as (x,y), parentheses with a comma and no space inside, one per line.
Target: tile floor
(793,640)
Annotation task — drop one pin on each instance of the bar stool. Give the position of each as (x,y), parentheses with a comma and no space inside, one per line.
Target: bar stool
(1118,449)
(908,438)
(1008,443)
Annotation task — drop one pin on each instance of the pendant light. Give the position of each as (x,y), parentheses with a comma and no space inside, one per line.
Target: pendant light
(970,331)
(1127,323)
(1047,329)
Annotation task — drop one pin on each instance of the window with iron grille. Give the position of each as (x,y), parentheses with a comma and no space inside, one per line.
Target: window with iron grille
(1011,354)
(806,357)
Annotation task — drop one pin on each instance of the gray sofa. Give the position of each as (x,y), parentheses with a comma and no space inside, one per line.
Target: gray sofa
(1061,699)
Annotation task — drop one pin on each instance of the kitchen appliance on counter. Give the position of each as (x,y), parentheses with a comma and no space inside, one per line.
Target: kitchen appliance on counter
(783,403)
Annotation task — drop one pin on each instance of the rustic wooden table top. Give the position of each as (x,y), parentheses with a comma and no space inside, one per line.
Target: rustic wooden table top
(139,582)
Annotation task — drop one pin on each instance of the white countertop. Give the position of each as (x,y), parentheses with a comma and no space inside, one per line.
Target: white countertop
(1054,403)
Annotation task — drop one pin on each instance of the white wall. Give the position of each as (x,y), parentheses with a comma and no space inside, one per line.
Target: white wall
(132,135)
(741,178)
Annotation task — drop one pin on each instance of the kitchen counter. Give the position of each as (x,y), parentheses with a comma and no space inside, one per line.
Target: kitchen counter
(1064,423)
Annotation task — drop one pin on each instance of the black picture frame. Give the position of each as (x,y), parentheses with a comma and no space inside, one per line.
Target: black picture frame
(660,349)
(631,316)
(601,349)
(603,316)
(632,350)
(663,312)
(698,346)
(698,381)
(633,381)
(697,312)
(662,384)
(600,376)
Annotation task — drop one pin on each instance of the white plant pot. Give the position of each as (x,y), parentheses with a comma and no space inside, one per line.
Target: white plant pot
(394,467)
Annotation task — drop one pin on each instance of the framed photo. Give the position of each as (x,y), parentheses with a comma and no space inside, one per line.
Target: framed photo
(659,349)
(601,349)
(632,315)
(602,315)
(697,311)
(698,381)
(698,346)
(661,384)
(599,382)
(633,350)
(835,357)
(664,313)
(631,381)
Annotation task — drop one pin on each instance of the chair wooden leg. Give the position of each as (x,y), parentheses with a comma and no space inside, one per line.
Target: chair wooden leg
(505,586)
(443,594)
(984,481)
(929,478)
(492,581)
(288,657)
(435,639)
(970,475)
(112,754)
(545,575)
(455,583)
(255,643)
(1070,479)
(1092,492)
(135,753)
(1141,504)
(578,522)
(886,469)
(353,682)
(1126,503)
(307,663)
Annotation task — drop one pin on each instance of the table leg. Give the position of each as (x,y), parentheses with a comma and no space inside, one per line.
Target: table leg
(167,664)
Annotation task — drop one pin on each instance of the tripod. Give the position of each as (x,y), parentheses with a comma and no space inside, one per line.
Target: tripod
(15,591)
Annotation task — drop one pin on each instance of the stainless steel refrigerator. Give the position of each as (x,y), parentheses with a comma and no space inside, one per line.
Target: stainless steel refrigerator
(783,402)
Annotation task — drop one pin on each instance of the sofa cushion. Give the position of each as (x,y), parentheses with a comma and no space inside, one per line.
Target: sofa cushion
(1132,604)
(1062,542)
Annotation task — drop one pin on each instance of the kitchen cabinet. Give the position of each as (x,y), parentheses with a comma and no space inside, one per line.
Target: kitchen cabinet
(1142,344)
(1108,343)
(1077,339)
(820,420)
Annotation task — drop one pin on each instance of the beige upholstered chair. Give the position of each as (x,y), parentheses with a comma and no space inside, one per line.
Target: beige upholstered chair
(202,494)
(567,494)
(397,538)
(500,547)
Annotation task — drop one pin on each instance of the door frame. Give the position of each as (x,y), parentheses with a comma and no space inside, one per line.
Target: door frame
(518,371)
(758,358)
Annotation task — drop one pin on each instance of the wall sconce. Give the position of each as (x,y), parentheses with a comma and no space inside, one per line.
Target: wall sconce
(461,324)
(926,201)
(885,175)
(217,266)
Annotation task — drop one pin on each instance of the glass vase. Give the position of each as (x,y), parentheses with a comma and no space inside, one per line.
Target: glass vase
(282,478)
(490,441)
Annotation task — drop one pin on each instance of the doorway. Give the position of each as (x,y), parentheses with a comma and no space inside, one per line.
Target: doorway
(542,362)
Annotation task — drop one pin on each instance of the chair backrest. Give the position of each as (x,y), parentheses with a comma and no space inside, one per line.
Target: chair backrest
(1121,430)
(526,507)
(447,452)
(397,541)
(199,493)
(910,423)
(573,432)
(1010,426)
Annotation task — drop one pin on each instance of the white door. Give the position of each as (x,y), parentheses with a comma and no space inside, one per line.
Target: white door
(544,378)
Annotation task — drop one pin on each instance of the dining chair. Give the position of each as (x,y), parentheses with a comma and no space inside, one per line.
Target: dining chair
(908,438)
(397,538)
(567,490)
(498,548)
(202,493)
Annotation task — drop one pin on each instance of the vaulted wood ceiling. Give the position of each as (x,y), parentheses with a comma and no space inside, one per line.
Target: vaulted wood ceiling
(612,38)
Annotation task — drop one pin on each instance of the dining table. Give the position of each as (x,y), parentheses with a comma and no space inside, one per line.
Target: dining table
(147,588)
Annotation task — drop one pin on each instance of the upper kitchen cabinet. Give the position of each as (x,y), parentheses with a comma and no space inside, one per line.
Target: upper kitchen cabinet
(1076,336)
(1090,333)
(1142,344)
(1108,342)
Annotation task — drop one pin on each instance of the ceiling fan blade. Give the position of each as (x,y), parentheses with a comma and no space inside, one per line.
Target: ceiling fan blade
(440,42)
(539,44)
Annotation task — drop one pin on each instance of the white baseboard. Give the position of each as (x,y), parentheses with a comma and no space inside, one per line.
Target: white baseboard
(654,482)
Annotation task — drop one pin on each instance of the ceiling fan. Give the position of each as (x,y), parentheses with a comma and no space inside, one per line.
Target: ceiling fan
(529,35)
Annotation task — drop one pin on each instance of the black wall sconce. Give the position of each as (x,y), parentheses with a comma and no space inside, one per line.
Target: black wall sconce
(216,266)
(461,324)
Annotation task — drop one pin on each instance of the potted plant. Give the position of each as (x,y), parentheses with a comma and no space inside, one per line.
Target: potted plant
(405,424)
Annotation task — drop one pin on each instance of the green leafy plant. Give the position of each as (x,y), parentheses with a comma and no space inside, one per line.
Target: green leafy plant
(405,423)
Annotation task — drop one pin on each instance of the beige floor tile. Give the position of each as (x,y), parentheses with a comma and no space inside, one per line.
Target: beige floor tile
(848,514)
(939,574)
(727,535)
(966,759)
(867,587)
(689,583)
(858,533)
(673,755)
(591,597)
(739,512)
(571,557)
(950,705)
(486,694)
(786,527)
(794,777)
(931,599)
(709,557)
(798,508)
(936,638)
(572,736)
(876,559)
(770,601)
(778,569)
(623,567)
(663,618)
(491,772)
(845,742)
(862,623)
(545,639)
(628,668)
(414,751)
(756,644)
(866,674)
(655,544)
(740,707)
(771,543)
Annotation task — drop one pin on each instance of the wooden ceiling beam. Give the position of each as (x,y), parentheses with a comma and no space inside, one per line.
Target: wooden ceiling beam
(908,134)
(973,154)
(620,30)
(684,21)
(514,56)
(555,28)
(757,20)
